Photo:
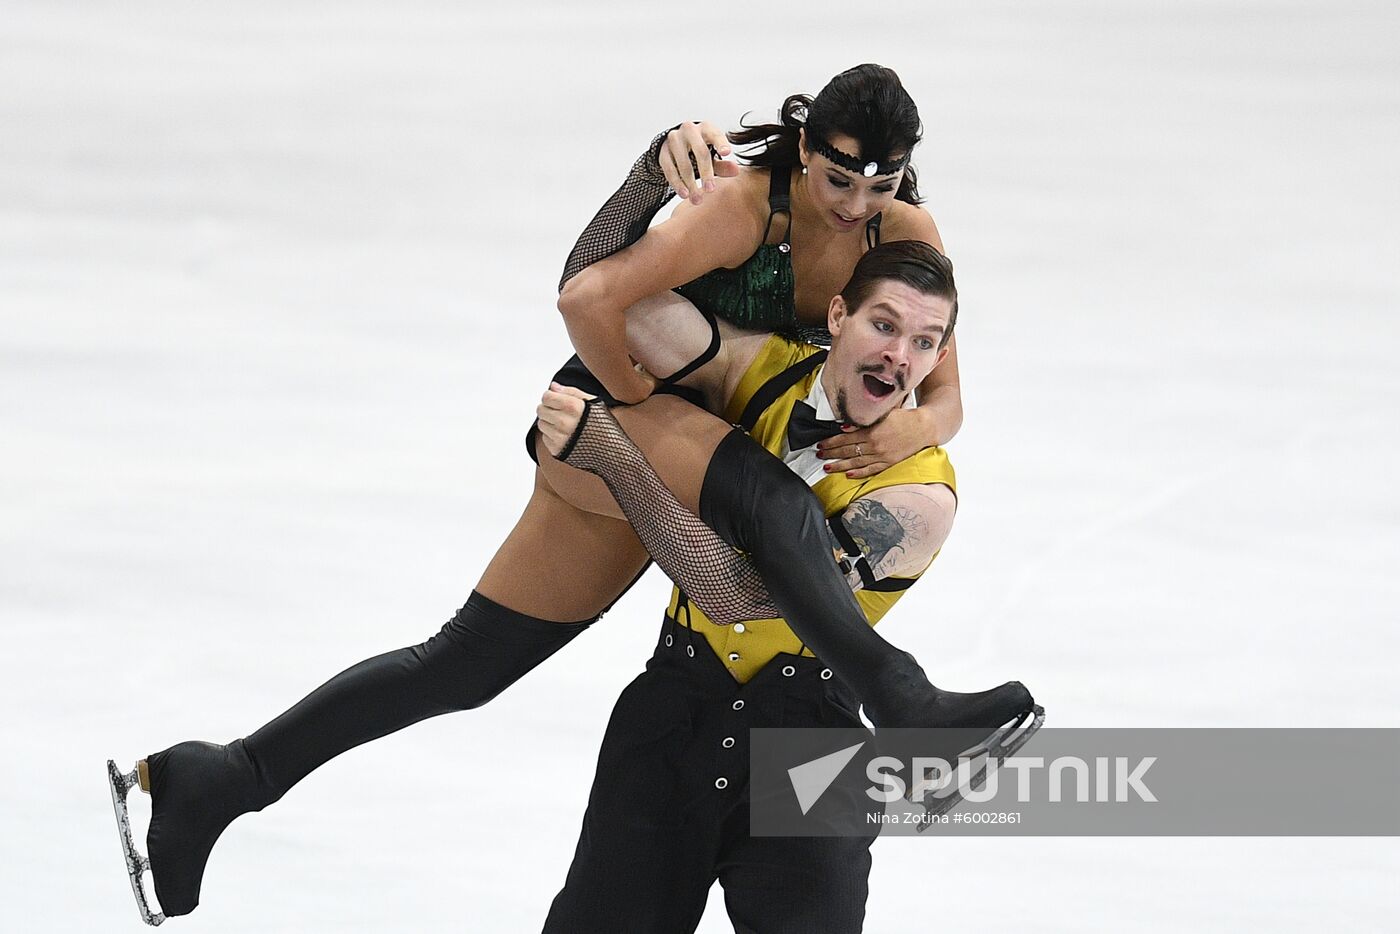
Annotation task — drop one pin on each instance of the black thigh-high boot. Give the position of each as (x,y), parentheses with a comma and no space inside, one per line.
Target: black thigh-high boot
(751,501)
(755,503)
(198,788)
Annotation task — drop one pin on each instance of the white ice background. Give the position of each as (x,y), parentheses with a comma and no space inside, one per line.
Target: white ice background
(276,302)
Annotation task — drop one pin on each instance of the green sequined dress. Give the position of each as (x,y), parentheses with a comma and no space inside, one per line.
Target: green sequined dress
(757,294)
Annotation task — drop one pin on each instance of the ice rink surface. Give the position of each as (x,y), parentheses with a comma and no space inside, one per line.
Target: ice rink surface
(276,302)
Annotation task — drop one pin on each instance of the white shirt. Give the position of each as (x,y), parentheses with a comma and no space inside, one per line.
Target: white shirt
(804,462)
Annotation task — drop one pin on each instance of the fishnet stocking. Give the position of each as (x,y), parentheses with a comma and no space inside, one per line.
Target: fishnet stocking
(721,581)
(624,217)
(815,600)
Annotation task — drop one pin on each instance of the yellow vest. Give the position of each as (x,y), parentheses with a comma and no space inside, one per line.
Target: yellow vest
(756,642)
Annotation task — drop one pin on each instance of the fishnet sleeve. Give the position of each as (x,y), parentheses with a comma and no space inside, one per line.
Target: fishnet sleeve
(624,217)
(719,580)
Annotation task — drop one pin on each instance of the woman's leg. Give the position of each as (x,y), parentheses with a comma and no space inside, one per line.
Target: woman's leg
(528,605)
(666,462)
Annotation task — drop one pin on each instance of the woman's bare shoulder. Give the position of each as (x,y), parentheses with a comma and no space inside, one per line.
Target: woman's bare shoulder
(742,198)
(905,221)
(737,209)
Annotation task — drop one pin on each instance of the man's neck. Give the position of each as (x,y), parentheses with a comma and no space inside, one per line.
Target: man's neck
(825,381)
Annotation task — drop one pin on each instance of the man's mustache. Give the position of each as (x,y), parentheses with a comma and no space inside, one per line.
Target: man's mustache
(867,368)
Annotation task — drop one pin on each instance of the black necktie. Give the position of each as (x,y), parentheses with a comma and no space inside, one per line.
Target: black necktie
(805,429)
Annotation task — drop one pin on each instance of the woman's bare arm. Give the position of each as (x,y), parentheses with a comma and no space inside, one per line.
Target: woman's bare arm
(723,230)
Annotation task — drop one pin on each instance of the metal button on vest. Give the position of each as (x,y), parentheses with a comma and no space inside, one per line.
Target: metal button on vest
(690,650)
(739,704)
(733,656)
(789,671)
(826,674)
(740,628)
(669,640)
(721,783)
(728,742)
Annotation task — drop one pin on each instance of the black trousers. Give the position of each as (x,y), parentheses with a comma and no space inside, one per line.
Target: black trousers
(669,809)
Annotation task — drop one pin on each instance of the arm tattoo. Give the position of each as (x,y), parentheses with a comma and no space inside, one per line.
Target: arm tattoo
(884,532)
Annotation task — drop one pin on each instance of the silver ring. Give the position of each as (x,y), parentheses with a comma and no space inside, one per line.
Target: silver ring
(858,454)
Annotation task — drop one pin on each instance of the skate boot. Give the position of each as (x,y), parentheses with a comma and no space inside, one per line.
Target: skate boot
(1009,707)
(981,728)
(197,789)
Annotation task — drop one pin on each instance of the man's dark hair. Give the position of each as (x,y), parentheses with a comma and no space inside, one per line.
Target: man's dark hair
(913,262)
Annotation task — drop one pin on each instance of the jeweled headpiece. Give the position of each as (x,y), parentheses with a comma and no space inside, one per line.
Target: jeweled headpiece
(851,163)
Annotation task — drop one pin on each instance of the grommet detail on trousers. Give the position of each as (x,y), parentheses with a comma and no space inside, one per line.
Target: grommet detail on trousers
(668,813)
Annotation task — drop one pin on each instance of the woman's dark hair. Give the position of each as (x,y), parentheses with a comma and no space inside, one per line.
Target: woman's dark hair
(913,262)
(866,102)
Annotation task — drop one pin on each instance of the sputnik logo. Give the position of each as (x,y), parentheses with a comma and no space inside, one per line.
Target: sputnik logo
(810,780)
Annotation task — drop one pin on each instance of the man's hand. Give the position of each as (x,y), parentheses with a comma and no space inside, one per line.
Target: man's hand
(864,452)
(693,141)
(559,412)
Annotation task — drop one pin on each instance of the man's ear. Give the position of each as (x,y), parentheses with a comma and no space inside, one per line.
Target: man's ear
(941,354)
(836,313)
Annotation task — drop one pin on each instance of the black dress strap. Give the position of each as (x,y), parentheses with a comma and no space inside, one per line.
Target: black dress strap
(779,202)
(872,232)
(769,392)
(709,353)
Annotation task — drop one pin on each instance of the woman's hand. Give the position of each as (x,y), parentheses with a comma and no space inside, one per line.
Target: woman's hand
(599,334)
(864,452)
(558,414)
(694,141)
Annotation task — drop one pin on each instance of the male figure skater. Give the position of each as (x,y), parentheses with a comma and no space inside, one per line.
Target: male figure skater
(669,809)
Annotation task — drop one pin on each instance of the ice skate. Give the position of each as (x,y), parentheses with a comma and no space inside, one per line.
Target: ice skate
(1002,743)
(197,789)
(983,709)
(978,727)
(136,864)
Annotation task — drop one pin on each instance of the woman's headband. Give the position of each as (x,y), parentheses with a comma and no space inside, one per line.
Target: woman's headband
(851,163)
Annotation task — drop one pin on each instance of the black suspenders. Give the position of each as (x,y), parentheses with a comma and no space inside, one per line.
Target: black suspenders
(760,402)
(855,558)
(769,392)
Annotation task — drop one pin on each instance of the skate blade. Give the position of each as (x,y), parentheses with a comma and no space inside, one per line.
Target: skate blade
(136,864)
(1004,742)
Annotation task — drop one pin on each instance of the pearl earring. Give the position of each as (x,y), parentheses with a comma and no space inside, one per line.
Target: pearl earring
(804,170)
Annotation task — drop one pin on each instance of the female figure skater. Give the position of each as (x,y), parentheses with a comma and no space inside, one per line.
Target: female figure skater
(854,147)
